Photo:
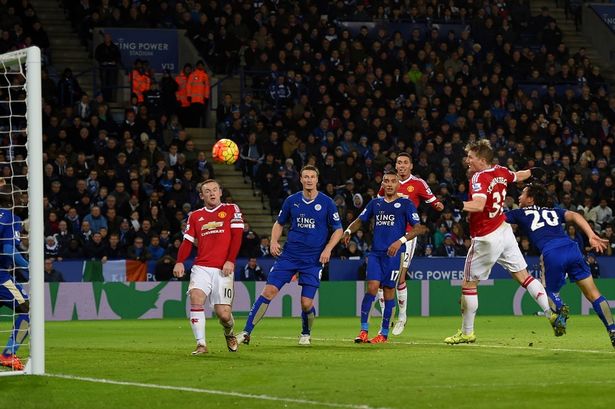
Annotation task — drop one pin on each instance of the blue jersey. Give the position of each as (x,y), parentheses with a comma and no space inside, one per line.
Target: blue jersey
(10,229)
(542,225)
(390,220)
(310,222)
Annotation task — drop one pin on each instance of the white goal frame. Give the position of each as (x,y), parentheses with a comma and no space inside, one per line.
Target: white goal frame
(34,160)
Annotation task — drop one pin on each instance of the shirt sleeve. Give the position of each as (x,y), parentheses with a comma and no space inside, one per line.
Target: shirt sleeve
(334,216)
(190,232)
(510,175)
(511,216)
(412,215)
(478,187)
(425,193)
(284,214)
(236,218)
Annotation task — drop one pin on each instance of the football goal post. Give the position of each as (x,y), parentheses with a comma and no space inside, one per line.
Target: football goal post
(21,177)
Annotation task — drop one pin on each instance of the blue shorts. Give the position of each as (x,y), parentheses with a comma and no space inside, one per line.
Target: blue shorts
(11,293)
(561,261)
(383,268)
(284,269)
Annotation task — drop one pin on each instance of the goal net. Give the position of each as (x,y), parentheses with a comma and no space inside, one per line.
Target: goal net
(21,214)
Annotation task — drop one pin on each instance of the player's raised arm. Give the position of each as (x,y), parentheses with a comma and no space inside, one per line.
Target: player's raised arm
(596,243)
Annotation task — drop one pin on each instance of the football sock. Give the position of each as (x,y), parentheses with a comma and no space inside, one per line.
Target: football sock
(366,307)
(18,335)
(469,306)
(256,313)
(380,297)
(556,301)
(386,317)
(307,320)
(601,306)
(197,322)
(538,292)
(402,300)
(228,326)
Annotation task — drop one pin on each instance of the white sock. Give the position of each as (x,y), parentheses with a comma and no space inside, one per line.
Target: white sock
(197,322)
(469,306)
(380,298)
(538,292)
(402,301)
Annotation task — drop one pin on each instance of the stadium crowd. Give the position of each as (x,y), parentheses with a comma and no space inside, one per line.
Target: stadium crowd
(346,98)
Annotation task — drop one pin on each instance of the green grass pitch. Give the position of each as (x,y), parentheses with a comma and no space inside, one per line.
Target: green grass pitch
(516,363)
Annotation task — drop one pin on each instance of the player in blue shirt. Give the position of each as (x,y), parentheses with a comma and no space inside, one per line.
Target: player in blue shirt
(391,215)
(12,294)
(561,255)
(312,215)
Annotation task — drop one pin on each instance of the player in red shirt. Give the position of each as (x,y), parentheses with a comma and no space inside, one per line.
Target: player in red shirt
(417,190)
(492,238)
(216,230)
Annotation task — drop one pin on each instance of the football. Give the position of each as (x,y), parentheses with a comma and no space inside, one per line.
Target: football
(225,151)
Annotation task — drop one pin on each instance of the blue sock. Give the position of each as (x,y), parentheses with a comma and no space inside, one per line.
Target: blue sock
(386,317)
(366,306)
(20,330)
(556,300)
(601,306)
(256,313)
(307,319)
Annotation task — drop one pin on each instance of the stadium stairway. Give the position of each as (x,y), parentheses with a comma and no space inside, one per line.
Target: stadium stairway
(66,48)
(254,211)
(572,38)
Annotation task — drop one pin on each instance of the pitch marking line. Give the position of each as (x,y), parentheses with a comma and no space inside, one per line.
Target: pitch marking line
(442,344)
(212,392)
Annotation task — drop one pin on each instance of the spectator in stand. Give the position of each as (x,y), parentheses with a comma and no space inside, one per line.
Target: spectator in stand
(95,219)
(138,251)
(115,250)
(155,249)
(109,59)
(51,274)
(252,271)
(96,249)
(197,90)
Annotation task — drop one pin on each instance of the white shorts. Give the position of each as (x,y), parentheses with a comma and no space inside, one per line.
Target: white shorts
(498,246)
(217,287)
(409,253)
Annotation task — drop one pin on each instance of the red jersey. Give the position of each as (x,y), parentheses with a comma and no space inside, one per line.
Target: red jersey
(491,184)
(211,229)
(415,189)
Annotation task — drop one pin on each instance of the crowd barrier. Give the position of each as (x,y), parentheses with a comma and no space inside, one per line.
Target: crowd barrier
(113,301)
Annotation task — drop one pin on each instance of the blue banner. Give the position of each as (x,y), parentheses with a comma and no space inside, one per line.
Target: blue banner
(159,47)
(606,12)
(421,268)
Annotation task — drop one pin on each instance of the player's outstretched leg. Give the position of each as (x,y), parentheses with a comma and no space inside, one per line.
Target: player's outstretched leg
(197,323)
(562,311)
(386,319)
(308,313)
(600,305)
(380,299)
(18,335)
(226,319)
(256,314)
(402,302)
(366,306)
(539,294)
(307,320)
(469,306)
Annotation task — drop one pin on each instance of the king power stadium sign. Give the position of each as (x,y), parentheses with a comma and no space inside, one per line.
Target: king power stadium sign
(112,301)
